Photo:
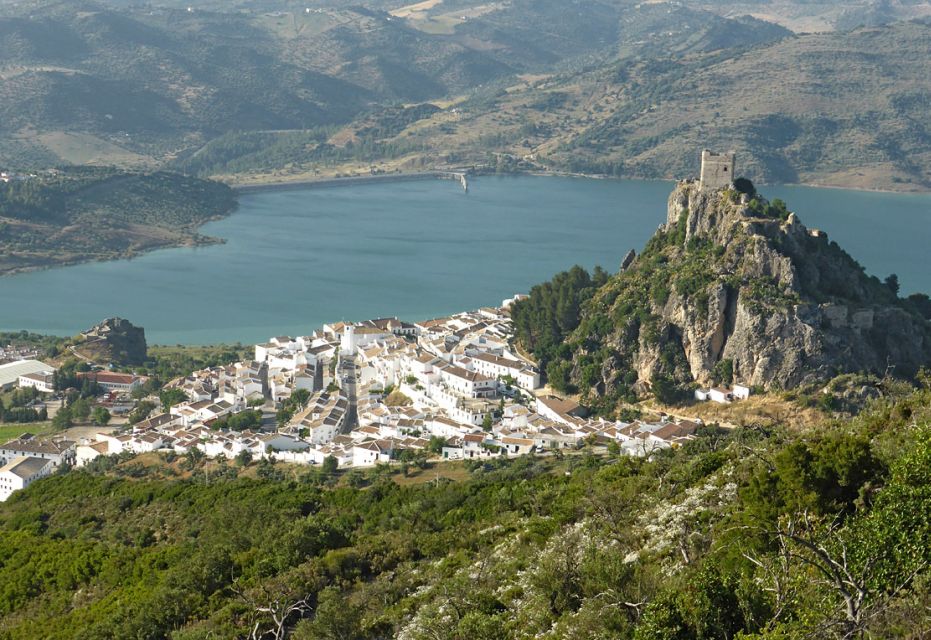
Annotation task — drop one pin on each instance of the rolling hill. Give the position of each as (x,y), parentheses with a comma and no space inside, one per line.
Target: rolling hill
(611,87)
(87,82)
(843,109)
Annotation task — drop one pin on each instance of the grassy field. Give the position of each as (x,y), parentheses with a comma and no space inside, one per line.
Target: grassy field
(82,148)
(10,431)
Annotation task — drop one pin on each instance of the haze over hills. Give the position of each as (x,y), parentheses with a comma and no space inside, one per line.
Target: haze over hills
(784,106)
(605,87)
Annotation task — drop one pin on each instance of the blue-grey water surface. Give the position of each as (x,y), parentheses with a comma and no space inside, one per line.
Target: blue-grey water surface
(295,259)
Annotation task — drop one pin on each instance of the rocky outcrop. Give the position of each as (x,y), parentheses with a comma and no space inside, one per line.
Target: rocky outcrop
(733,278)
(116,341)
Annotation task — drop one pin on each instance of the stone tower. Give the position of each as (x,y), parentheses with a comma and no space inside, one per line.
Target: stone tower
(717,169)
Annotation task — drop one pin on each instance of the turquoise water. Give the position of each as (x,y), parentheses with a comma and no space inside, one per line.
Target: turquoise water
(295,259)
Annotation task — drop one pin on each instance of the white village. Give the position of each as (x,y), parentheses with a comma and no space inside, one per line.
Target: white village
(352,395)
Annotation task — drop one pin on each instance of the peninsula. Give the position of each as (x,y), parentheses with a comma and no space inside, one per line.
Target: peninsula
(66,216)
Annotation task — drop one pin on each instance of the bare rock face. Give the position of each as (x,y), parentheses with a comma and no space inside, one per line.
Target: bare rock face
(735,278)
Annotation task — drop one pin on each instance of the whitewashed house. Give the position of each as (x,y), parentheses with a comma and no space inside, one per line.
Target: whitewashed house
(21,472)
(59,451)
(469,384)
(499,367)
(516,446)
(720,395)
(85,453)
(43,381)
(741,392)
(366,454)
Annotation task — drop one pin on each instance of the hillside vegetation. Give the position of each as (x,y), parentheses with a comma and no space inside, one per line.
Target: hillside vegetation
(76,215)
(843,109)
(750,533)
(90,83)
(610,87)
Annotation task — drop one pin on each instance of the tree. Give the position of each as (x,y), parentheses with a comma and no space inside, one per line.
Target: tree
(299,398)
(552,311)
(141,412)
(486,422)
(558,375)
(664,389)
(922,304)
(100,416)
(283,416)
(744,185)
(356,479)
(723,372)
(241,421)
(336,618)
(330,465)
(436,444)
(171,397)
(892,281)
(62,419)
(270,614)
(803,543)
(193,457)
(81,409)
(243,458)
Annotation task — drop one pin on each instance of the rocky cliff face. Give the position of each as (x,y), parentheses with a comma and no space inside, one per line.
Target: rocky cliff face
(732,283)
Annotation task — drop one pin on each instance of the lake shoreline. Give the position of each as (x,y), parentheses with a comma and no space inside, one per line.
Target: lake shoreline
(297,259)
(347,181)
(195,239)
(443,174)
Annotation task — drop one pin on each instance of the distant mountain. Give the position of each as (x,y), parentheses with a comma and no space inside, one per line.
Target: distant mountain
(86,82)
(843,109)
(607,86)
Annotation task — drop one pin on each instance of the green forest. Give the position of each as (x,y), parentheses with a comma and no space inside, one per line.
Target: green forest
(755,532)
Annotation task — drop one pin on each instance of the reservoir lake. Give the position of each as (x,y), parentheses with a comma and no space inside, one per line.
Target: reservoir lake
(297,258)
